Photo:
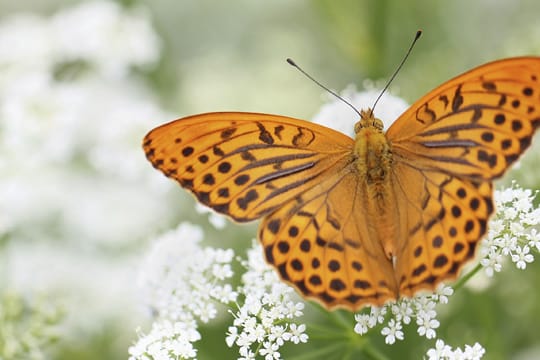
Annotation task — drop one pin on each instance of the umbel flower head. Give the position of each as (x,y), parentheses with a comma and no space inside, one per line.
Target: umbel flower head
(184,282)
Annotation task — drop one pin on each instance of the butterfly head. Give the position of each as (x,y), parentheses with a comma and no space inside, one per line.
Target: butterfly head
(368,120)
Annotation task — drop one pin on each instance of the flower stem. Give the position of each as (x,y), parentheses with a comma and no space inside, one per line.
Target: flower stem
(373,353)
(466,278)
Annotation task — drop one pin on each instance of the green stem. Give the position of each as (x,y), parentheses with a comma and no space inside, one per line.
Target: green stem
(466,278)
(373,352)
(345,318)
(337,321)
(322,333)
(318,353)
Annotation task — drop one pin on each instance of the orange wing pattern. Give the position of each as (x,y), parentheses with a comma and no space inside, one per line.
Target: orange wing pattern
(447,148)
(323,244)
(475,125)
(246,165)
(354,222)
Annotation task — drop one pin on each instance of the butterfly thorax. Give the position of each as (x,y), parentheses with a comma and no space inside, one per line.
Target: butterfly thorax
(372,151)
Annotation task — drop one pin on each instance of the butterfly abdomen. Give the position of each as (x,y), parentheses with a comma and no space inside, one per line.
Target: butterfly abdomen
(373,160)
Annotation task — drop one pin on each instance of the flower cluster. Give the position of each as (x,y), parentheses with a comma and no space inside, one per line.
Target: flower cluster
(182,282)
(421,308)
(76,192)
(167,340)
(261,322)
(513,231)
(26,326)
(445,352)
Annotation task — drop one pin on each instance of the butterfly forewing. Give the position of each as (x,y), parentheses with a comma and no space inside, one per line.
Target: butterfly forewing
(245,165)
(477,124)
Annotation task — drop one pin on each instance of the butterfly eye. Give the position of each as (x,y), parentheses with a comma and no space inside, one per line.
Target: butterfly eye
(378,124)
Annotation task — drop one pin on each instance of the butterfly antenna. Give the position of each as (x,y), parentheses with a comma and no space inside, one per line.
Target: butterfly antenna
(416,37)
(291,62)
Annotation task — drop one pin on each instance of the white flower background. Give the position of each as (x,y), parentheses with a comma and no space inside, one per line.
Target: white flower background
(87,254)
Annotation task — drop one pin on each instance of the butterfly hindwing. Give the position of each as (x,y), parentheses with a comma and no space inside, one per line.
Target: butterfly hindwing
(442,218)
(245,165)
(321,243)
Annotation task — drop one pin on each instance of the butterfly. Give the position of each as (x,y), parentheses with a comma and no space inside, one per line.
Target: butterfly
(351,222)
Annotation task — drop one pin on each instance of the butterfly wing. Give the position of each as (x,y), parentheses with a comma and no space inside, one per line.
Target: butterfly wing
(447,149)
(475,125)
(302,177)
(246,165)
(442,217)
(321,242)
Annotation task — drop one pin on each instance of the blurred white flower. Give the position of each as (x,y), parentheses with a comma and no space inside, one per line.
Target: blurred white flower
(339,116)
(74,184)
(114,38)
(166,341)
(27,326)
(179,276)
(26,48)
(217,220)
(181,282)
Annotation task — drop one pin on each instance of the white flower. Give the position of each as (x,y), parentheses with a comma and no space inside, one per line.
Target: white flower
(245,340)
(534,239)
(277,335)
(363,322)
(442,293)
(402,311)
(270,351)
(427,326)
(182,282)
(296,334)
(421,307)
(445,352)
(232,335)
(475,352)
(392,332)
(440,352)
(492,263)
(246,354)
(521,257)
(377,315)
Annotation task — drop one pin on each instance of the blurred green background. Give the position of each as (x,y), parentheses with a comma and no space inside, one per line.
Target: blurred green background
(220,55)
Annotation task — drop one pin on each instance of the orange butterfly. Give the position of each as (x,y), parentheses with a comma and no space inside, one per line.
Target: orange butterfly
(350,222)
